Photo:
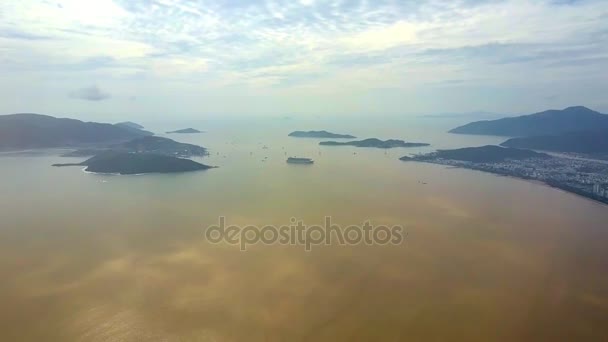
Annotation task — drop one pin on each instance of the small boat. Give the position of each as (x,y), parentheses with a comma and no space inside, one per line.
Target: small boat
(292,160)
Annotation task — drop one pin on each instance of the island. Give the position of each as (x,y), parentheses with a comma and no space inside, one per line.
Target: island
(294,160)
(585,177)
(185,131)
(125,163)
(587,143)
(35,131)
(148,144)
(320,134)
(550,122)
(376,143)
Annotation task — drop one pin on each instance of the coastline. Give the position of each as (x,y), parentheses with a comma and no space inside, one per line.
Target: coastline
(553,185)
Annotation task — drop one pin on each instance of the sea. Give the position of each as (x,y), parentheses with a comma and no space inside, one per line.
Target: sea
(89,257)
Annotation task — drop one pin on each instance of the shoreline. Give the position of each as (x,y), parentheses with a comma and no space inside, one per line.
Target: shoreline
(530,180)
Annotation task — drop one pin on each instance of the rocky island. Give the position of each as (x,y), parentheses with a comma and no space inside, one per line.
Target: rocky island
(126,163)
(185,131)
(320,134)
(147,144)
(373,142)
(584,177)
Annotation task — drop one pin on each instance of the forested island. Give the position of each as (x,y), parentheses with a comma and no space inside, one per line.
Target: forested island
(375,143)
(126,163)
(320,134)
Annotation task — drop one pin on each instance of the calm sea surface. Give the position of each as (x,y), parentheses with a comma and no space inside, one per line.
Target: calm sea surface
(87,257)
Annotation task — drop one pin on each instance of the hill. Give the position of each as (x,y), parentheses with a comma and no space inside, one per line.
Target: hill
(483,154)
(147,144)
(550,122)
(125,163)
(130,124)
(589,142)
(30,131)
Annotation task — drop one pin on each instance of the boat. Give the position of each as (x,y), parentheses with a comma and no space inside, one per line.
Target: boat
(292,160)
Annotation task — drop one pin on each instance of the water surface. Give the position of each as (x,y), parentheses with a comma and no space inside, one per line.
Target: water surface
(123,258)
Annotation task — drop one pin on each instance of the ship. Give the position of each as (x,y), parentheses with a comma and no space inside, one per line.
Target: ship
(292,160)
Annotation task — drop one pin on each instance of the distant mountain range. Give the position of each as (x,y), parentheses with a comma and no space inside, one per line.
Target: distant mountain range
(550,122)
(30,131)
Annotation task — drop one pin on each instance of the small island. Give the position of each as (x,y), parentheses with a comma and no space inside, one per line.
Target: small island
(320,134)
(294,160)
(125,163)
(185,131)
(375,143)
(147,144)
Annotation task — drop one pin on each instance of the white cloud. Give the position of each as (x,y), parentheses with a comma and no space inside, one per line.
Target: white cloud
(273,46)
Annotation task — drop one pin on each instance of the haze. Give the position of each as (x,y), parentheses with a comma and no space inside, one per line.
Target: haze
(104,59)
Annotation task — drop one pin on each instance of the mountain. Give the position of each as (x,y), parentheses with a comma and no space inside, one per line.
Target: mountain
(482,154)
(125,163)
(373,142)
(550,122)
(186,131)
(147,144)
(129,124)
(320,134)
(29,131)
(588,142)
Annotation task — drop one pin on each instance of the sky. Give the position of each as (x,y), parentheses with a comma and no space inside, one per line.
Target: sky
(163,59)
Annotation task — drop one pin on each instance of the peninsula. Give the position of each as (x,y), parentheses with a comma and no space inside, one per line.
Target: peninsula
(376,143)
(320,134)
(125,163)
(588,178)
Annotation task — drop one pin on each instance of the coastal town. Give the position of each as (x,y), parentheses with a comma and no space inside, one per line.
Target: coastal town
(585,177)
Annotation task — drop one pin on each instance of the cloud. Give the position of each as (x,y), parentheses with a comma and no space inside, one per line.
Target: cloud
(92,93)
(273,47)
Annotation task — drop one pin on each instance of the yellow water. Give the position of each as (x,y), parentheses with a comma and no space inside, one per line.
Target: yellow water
(104,258)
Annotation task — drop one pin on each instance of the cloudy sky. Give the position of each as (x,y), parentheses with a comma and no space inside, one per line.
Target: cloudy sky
(202,58)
